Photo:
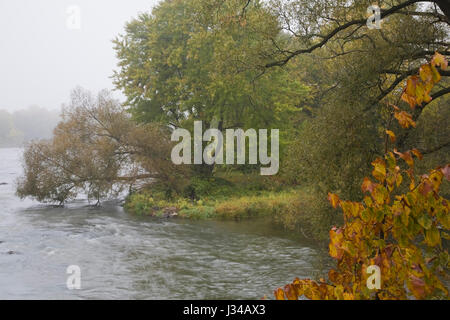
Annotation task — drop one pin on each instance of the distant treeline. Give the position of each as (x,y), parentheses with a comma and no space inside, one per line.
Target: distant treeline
(21,126)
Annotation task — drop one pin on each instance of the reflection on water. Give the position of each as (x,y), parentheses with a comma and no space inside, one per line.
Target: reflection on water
(127,257)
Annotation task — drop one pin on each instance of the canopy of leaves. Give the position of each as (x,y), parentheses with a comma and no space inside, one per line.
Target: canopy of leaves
(195,60)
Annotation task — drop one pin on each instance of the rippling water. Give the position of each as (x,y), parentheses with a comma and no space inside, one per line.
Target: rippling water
(126,257)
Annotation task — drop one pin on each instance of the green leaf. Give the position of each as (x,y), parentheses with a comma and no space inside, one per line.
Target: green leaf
(432,237)
(425,221)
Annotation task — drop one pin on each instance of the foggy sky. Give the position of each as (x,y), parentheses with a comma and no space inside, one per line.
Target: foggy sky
(42,59)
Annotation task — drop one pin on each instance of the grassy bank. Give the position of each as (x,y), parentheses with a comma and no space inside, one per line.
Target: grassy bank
(236,197)
(248,206)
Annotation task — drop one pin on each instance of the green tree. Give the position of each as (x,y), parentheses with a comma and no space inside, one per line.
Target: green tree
(191,60)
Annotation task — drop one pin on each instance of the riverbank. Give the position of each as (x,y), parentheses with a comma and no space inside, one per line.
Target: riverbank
(235,197)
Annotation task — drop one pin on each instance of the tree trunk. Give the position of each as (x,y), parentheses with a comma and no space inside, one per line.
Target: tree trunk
(204,169)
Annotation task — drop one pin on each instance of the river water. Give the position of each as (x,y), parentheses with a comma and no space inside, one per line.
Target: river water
(122,256)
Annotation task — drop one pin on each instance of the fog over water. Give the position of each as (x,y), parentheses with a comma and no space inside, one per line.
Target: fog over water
(44,56)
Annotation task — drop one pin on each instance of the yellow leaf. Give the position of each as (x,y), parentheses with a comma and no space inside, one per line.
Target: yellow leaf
(380,194)
(435,74)
(426,74)
(391,135)
(379,171)
(399,179)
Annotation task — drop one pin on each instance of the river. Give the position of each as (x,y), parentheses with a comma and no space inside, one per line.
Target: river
(122,256)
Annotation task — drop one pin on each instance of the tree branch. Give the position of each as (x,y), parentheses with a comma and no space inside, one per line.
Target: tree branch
(329,36)
(418,111)
(444,73)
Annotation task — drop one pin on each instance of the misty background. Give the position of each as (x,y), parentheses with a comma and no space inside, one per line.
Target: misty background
(45,55)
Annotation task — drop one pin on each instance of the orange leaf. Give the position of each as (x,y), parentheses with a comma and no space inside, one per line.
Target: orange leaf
(411,100)
(367,185)
(404,119)
(279,294)
(391,135)
(406,156)
(425,187)
(417,153)
(411,84)
(333,275)
(290,292)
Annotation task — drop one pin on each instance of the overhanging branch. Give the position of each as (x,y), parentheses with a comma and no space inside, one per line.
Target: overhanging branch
(329,36)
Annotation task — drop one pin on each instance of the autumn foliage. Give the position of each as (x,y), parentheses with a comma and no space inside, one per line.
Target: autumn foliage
(399,226)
